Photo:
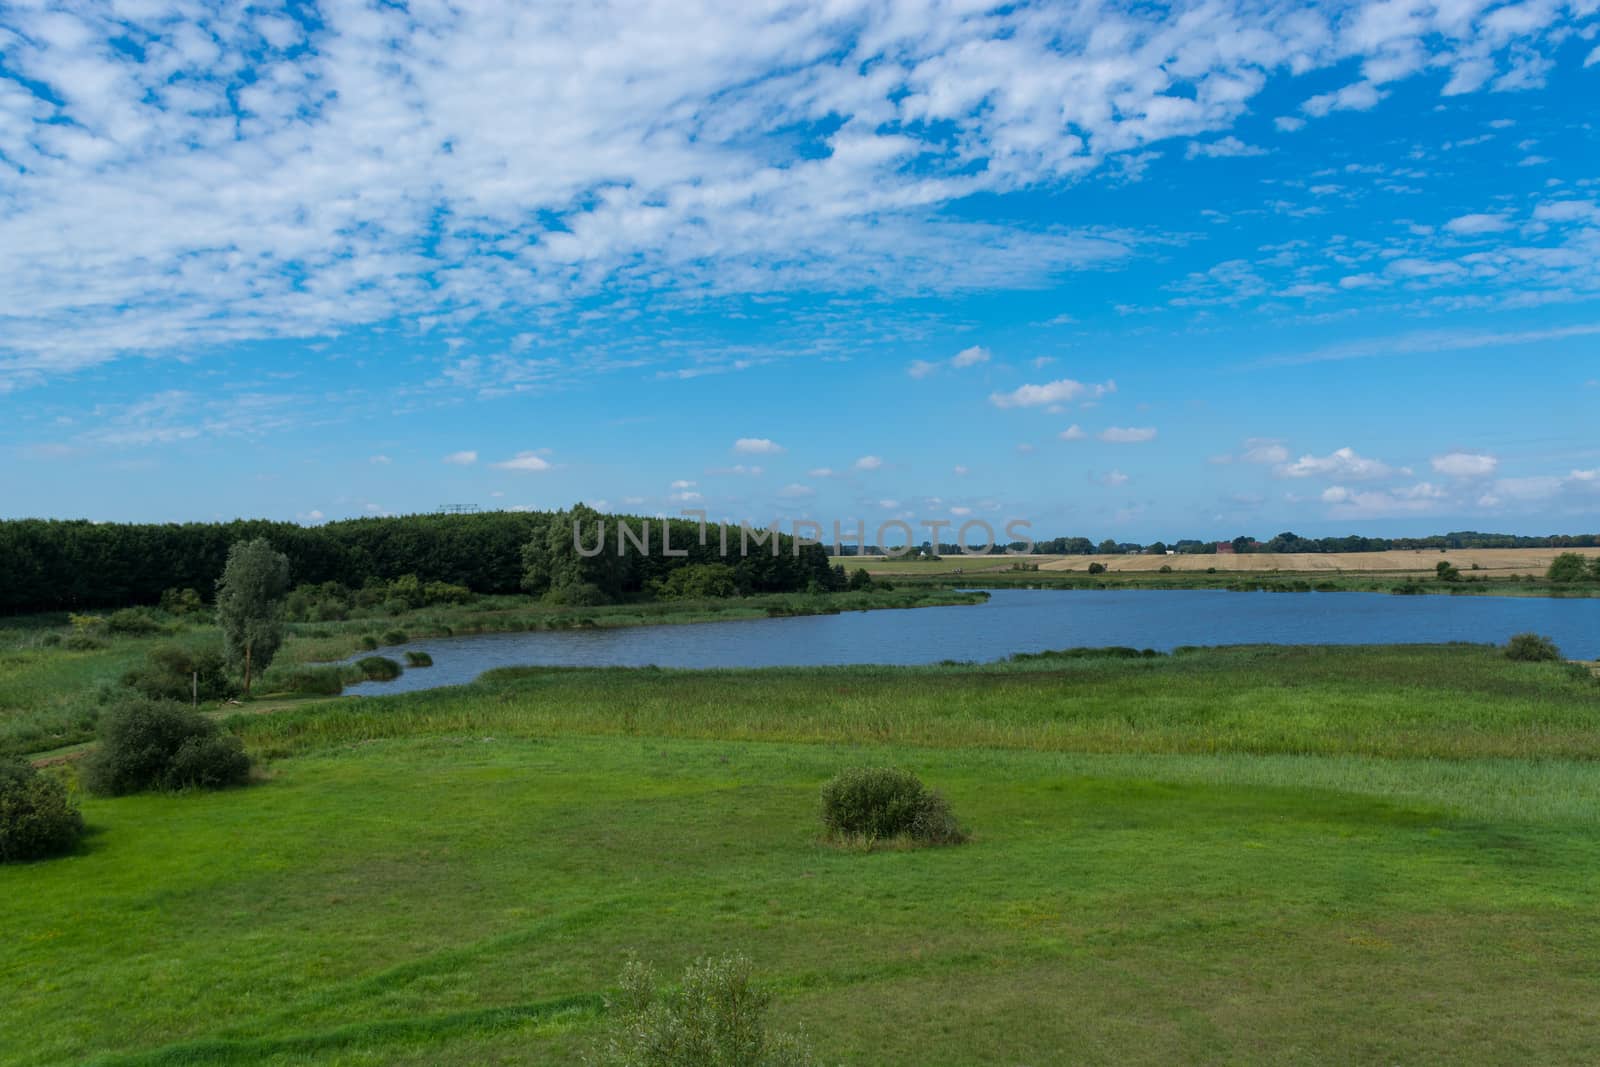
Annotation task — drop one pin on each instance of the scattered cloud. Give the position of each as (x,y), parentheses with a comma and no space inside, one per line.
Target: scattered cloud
(1128,435)
(1072,433)
(796,491)
(1341,463)
(1466,464)
(756,446)
(1111,479)
(1224,148)
(967,357)
(523,462)
(1472,225)
(382,461)
(464,458)
(1056,392)
(869,463)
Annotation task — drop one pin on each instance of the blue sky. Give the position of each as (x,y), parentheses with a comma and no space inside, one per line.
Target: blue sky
(1143,272)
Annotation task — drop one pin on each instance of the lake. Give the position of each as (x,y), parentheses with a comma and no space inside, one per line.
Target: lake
(1016,620)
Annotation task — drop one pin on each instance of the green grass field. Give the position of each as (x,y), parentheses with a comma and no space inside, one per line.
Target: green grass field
(1250,855)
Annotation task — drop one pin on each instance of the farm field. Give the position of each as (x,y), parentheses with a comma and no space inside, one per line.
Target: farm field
(1237,855)
(1492,562)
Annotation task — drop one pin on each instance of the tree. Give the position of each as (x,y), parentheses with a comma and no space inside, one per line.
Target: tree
(1446,571)
(250,598)
(1568,567)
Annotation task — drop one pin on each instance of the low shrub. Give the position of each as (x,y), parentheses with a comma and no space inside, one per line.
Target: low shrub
(1097,568)
(133,622)
(1166,568)
(369,642)
(314,681)
(182,602)
(882,803)
(378,668)
(175,673)
(577,595)
(152,744)
(396,637)
(715,1016)
(79,641)
(37,818)
(418,659)
(1532,648)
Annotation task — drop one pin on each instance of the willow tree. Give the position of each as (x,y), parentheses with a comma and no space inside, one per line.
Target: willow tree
(250,598)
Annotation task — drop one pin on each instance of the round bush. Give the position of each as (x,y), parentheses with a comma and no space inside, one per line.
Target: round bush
(208,763)
(314,681)
(1097,568)
(1531,648)
(369,642)
(378,668)
(149,744)
(396,637)
(37,819)
(886,802)
(418,659)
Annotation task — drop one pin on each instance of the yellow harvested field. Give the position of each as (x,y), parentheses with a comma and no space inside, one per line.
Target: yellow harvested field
(1497,562)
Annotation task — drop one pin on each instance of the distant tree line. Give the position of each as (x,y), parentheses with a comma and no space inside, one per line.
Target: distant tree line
(56,565)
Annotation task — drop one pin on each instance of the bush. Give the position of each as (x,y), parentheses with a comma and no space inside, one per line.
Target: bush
(182,602)
(37,818)
(1531,648)
(577,595)
(698,581)
(133,622)
(396,637)
(369,642)
(208,763)
(1097,568)
(418,659)
(79,641)
(314,681)
(378,668)
(880,803)
(151,744)
(1166,568)
(1568,567)
(714,1018)
(169,673)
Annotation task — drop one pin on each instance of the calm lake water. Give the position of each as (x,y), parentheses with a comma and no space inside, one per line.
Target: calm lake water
(1017,620)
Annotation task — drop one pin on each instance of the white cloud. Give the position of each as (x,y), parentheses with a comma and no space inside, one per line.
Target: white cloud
(1128,435)
(756,446)
(869,463)
(525,462)
(796,491)
(821,472)
(1225,148)
(1470,225)
(683,483)
(177,179)
(1466,464)
(1112,479)
(1351,503)
(464,458)
(1072,433)
(1341,463)
(1264,450)
(959,470)
(1057,392)
(381,461)
(1288,123)
(967,357)
(739,469)
(1361,96)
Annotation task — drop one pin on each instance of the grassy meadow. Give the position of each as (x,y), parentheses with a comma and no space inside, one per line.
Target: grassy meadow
(1242,855)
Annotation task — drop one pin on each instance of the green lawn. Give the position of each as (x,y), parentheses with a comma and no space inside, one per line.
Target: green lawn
(1359,855)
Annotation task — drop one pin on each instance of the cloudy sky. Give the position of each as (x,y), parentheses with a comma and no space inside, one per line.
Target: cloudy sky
(1122,270)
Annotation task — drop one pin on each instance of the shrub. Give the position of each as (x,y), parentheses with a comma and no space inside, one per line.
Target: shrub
(169,673)
(418,659)
(182,602)
(78,641)
(577,595)
(213,762)
(396,637)
(314,681)
(378,668)
(1446,571)
(1166,568)
(369,642)
(879,803)
(37,818)
(860,579)
(1568,567)
(150,744)
(1097,568)
(1532,648)
(133,622)
(714,1018)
